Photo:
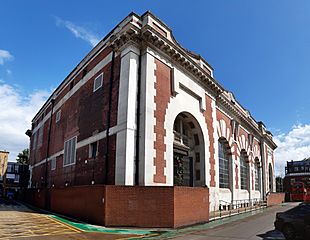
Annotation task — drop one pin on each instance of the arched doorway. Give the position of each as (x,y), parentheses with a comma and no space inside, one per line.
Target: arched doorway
(270,173)
(188,152)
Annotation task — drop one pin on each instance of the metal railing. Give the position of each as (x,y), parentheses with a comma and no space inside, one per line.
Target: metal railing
(239,206)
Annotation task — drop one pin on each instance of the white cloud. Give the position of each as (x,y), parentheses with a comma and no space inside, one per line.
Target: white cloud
(15,117)
(295,145)
(5,56)
(78,31)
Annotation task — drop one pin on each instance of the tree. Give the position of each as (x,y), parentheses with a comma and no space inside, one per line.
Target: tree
(23,156)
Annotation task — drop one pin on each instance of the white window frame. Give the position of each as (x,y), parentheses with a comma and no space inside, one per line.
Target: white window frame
(67,154)
(101,82)
(58,116)
(53,163)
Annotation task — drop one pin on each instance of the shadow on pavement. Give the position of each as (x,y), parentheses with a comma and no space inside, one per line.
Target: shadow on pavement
(273,234)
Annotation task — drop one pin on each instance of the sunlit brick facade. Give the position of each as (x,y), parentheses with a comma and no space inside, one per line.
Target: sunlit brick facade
(141,110)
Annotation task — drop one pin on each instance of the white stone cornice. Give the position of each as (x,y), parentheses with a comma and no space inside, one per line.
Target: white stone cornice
(179,55)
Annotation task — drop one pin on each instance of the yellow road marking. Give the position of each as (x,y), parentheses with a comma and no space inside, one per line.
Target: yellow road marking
(142,236)
(66,225)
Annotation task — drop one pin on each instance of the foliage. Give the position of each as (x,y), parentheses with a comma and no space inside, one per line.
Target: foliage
(23,157)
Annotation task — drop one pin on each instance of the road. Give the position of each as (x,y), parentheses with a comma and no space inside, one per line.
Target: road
(18,222)
(256,227)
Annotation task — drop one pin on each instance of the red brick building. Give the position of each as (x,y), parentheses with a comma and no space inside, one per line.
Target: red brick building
(141,110)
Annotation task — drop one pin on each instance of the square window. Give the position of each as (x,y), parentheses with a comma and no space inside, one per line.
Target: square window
(93,150)
(69,152)
(58,115)
(53,163)
(98,82)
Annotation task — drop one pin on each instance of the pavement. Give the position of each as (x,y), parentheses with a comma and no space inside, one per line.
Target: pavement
(17,221)
(257,225)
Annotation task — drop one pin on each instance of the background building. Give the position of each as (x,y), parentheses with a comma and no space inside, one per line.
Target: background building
(15,179)
(296,172)
(4,155)
(140,110)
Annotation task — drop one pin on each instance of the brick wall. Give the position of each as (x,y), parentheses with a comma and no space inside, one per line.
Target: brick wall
(83,115)
(35,197)
(82,202)
(139,206)
(191,205)
(156,206)
(134,206)
(275,198)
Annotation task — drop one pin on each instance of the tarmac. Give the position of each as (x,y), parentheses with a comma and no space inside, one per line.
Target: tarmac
(18,221)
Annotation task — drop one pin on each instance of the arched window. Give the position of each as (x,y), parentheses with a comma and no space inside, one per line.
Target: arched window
(243,170)
(224,165)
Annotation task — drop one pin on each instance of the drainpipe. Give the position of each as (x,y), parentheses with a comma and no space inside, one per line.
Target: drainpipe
(138,123)
(107,150)
(47,195)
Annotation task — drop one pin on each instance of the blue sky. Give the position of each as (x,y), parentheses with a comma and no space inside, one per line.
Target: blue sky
(260,50)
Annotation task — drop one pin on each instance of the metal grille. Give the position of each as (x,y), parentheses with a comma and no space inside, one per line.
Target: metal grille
(223,166)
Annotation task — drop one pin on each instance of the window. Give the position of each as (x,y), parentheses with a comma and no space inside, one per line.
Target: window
(53,163)
(235,129)
(70,152)
(251,137)
(93,150)
(181,132)
(224,161)
(98,82)
(40,136)
(16,179)
(58,115)
(257,173)
(243,171)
